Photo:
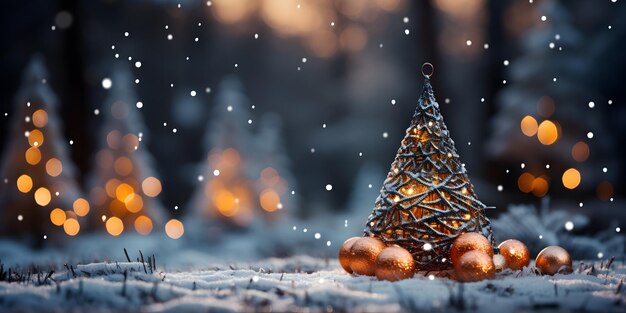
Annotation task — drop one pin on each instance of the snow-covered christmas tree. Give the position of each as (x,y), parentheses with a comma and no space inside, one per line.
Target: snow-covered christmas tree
(124,185)
(226,194)
(40,194)
(546,115)
(276,185)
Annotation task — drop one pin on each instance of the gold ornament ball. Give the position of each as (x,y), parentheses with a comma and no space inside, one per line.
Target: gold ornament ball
(515,254)
(344,254)
(468,242)
(474,266)
(552,259)
(499,262)
(363,254)
(394,263)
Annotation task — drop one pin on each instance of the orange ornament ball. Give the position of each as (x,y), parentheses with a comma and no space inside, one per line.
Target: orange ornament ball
(515,254)
(394,263)
(552,260)
(469,242)
(474,266)
(344,254)
(363,254)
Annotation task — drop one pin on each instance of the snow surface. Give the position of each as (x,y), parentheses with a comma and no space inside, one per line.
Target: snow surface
(303,283)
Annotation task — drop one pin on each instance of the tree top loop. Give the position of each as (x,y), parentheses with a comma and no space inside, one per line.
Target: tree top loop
(427,69)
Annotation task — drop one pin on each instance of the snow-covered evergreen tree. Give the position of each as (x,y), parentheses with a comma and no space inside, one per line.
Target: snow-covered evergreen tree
(39,195)
(544,112)
(124,186)
(226,194)
(275,181)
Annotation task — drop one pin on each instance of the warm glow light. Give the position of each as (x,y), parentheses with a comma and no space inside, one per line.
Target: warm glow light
(529,126)
(525,182)
(24,183)
(232,11)
(540,186)
(143,225)
(57,217)
(571,178)
(71,227)
(40,118)
(54,167)
(111,186)
(35,138)
(605,190)
(81,207)
(114,226)
(33,155)
(123,191)
(270,177)
(134,203)
(545,106)
(547,133)
(353,39)
(123,166)
(225,202)
(42,196)
(174,229)
(580,151)
(113,139)
(151,186)
(269,200)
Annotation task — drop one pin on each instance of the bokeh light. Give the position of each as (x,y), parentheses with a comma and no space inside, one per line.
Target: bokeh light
(54,167)
(174,229)
(42,196)
(547,133)
(57,217)
(151,186)
(40,118)
(143,225)
(24,183)
(114,226)
(81,207)
(71,227)
(571,178)
(529,126)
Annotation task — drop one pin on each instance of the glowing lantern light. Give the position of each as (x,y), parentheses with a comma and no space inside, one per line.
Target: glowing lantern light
(580,151)
(114,226)
(529,126)
(525,182)
(571,178)
(24,183)
(33,156)
(54,167)
(269,200)
(35,138)
(40,118)
(71,227)
(540,186)
(174,229)
(547,133)
(143,225)
(81,207)
(57,217)
(151,187)
(42,196)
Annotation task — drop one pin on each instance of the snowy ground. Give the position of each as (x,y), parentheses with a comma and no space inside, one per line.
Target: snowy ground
(302,283)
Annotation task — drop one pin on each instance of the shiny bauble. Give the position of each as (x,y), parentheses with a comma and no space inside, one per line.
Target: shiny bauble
(515,254)
(552,260)
(363,254)
(474,266)
(344,253)
(469,242)
(394,263)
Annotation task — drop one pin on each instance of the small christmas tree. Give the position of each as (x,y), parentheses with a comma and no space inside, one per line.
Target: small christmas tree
(427,199)
(36,161)
(124,186)
(227,192)
(275,178)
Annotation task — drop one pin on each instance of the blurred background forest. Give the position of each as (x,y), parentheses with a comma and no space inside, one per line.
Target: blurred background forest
(528,89)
